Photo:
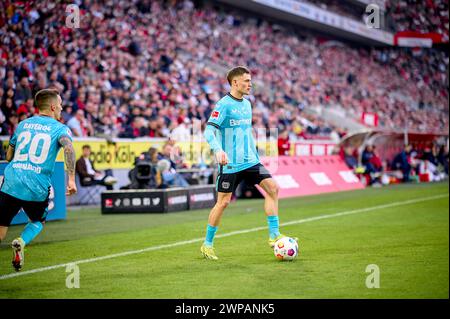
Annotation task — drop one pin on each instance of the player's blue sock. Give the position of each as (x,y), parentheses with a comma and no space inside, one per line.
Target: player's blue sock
(274,230)
(210,232)
(30,231)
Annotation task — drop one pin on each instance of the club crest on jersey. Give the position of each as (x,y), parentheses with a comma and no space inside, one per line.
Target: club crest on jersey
(215,114)
(225,185)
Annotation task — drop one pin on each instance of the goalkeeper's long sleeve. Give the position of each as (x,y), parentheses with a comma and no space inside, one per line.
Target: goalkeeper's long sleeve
(211,138)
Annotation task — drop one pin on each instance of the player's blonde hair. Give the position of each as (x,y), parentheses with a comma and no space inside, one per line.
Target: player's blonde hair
(235,72)
(45,97)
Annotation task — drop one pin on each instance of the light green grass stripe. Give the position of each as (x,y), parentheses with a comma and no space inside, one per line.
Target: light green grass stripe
(233,233)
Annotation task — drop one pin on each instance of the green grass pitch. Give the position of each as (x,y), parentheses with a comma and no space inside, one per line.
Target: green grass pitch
(398,228)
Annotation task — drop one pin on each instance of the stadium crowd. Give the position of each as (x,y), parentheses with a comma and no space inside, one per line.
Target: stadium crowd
(142,68)
(422,16)
(405,15)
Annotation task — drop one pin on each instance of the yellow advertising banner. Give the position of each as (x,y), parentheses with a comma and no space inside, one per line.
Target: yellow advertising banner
(121,153)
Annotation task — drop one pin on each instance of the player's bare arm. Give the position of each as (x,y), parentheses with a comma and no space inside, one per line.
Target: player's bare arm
(10,153)
(69,158)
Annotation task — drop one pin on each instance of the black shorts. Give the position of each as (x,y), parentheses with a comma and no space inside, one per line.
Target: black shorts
(10,206)
(227,183)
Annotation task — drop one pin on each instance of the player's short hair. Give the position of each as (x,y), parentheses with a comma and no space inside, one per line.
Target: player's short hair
(45,97)
(86,146)
(237,71)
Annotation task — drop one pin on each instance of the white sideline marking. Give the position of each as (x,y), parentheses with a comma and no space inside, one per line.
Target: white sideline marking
(238,232)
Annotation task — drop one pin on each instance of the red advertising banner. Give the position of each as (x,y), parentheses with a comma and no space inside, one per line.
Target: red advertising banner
(300,176)
(369,119)
(417,39)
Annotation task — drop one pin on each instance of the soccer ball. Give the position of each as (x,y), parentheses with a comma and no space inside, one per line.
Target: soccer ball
(285,248)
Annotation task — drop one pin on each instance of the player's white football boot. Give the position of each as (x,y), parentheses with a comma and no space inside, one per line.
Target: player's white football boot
(18,247)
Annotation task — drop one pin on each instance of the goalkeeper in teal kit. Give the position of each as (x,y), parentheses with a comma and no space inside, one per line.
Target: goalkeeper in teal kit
(31,155)
(229,134)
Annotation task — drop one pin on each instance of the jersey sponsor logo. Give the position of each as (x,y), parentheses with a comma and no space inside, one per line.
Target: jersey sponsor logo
(215,114)
(240,122)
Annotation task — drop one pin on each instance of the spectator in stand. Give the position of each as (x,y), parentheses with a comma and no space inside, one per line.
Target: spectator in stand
(167,167)
(182,133)
(349,158)
(429,164)
(22,115)
(137,128)
(443,158)
(167,153)
(150,156)
(372,164)
(2,152)
(366,157)
(430,154)
(66,113)
(23,91)
(3,127)
(402,162)
(8,108)
(87,173)
(106,128)
(377,164)
(284,145)
(27,108)
(145,174)
(78,124)
(11,126)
